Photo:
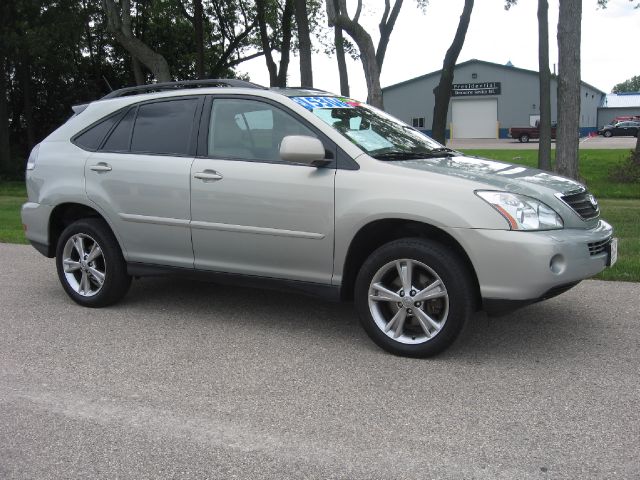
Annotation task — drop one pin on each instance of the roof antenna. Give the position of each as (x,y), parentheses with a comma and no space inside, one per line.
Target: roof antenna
(107,82)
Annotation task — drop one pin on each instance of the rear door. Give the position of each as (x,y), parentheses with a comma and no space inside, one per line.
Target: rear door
(253,213)
(139,178)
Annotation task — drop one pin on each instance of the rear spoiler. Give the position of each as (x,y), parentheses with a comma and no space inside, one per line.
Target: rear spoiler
(78,109)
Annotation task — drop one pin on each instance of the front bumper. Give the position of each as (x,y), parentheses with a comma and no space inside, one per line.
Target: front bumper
(35,218)
(527,266)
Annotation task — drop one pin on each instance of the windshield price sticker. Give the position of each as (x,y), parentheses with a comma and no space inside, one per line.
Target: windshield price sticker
(311,103)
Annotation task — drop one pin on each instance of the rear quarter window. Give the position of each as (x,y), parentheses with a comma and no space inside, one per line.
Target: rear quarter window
(92,137)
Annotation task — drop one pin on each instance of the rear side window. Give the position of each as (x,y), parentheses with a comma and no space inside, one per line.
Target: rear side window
(120,138)
(164,127)
(92,138)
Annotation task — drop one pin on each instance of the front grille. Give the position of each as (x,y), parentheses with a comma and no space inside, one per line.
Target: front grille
(581,204)
(596,248)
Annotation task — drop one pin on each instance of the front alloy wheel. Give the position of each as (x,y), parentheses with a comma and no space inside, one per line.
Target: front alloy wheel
(413,296)
(408,301)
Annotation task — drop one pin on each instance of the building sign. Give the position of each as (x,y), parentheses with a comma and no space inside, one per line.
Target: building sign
(473,89)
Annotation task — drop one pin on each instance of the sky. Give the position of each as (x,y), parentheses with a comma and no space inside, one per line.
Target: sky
(420,39)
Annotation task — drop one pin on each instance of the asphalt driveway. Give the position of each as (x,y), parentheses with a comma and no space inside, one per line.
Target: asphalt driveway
(194,380)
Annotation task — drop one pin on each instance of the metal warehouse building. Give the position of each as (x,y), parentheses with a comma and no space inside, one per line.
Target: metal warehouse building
(618,105)
(487,99)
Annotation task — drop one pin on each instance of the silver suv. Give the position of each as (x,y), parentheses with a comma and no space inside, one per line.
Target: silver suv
(307,191)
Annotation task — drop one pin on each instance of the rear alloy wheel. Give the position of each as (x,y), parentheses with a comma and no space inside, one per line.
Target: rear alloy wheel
(413,297)
(90,264)
(524,138)
(607,133)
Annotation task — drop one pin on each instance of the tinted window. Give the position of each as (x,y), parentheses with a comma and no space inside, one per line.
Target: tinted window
(92,138)
(119,139)
(250,130)
(164,127)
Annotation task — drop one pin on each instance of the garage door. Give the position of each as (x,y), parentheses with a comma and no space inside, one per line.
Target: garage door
(475,118)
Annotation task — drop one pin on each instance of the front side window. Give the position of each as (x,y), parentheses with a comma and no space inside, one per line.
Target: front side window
(375,132)
(164,127)
(250,130)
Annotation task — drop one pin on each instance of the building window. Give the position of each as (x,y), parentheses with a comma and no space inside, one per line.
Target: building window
(417,122)
(474,75)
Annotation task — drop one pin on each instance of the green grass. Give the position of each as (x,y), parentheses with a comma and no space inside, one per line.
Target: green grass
(594,167)
(624,215)
(10,223)
(620,204)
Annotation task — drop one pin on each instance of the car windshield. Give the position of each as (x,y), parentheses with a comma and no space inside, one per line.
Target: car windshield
(377,133)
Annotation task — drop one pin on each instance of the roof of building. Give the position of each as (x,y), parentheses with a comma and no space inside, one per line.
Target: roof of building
(508,66)
(621,100)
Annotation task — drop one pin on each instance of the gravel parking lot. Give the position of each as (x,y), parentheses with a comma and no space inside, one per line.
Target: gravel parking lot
(597,143)
(194,380)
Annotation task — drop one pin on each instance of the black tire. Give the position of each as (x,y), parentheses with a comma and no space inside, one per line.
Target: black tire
(116,280)
(524,138)
(607,133)
(453,273)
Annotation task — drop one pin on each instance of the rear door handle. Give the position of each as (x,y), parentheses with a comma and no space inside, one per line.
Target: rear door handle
(101,167)
(210,175)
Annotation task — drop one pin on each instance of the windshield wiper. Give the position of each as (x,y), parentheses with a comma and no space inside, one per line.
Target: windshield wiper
(444,150)
(436,152)
(398,156)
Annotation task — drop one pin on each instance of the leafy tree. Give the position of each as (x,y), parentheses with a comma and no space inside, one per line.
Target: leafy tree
(442,92)
(631,85)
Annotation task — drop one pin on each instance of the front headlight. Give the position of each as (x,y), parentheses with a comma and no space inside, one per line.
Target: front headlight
(522,212)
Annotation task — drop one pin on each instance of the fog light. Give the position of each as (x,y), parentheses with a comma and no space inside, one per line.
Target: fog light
(558,264)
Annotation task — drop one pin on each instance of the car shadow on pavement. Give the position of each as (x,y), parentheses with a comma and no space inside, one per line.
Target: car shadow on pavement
(543,329)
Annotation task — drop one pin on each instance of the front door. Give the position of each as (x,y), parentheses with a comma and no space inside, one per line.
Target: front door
(253,213)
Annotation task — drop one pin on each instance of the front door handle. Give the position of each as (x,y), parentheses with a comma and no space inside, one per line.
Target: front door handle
(101,167)
(208,175)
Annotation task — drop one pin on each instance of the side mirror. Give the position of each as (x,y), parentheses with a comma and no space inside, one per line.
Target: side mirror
(303,149)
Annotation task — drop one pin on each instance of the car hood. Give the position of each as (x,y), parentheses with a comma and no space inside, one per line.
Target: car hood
(496,175)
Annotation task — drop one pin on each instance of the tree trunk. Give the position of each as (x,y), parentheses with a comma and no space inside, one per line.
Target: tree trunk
(386,25)
(304,40)
(261,16)
(198,31)
(569,36)
(120,27)
(5,150)
(544,147)
(287,21)
(365,45)
(342,63)
(442,92)
(27,96)
(636,153)
(137,71)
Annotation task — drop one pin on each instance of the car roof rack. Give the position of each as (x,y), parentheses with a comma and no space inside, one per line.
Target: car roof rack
(155,87)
